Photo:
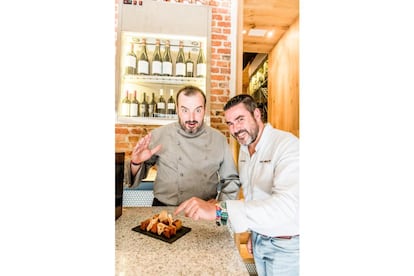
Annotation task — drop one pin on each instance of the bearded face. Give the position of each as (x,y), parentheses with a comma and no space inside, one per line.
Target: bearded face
(191,112)
(242,124)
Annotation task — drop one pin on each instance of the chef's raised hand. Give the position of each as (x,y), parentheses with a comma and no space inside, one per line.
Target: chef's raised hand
(197,208)
(141,151)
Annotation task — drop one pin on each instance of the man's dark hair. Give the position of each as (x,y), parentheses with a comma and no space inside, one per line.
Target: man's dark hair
(245,99)
(190,90)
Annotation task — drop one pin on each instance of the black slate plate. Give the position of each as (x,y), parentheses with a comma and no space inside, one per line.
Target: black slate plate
(184,230)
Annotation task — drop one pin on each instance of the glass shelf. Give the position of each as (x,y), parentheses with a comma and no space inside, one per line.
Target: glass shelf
(164,79)
(145,120)
(156,121)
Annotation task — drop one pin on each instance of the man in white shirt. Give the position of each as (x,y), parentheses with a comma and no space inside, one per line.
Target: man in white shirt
(269,173)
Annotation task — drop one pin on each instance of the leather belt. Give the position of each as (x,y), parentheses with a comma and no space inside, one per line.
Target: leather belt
(286,237)
(282,237)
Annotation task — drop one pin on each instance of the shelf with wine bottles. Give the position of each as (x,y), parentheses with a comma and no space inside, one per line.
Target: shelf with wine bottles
(164,80)
(154,63)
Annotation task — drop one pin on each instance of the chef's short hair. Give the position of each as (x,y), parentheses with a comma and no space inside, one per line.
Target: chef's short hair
(191,90)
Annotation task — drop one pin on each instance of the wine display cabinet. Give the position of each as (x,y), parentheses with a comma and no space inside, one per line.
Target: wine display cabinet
(154,61)
(142,73)
(258,88)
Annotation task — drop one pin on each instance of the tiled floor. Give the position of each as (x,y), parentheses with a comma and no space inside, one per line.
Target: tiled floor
(132,198)
(251,268)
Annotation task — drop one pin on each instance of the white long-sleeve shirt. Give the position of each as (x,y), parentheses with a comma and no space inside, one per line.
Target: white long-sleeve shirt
(270,182)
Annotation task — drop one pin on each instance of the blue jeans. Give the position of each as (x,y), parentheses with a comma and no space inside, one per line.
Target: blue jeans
(275,256)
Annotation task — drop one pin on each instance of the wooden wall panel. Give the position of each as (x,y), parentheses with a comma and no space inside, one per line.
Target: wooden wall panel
(283,82)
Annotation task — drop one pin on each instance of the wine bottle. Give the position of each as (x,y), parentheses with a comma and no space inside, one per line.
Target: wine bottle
(161,106)
(189,66)
(201,63)
(156,60)
(180,61)
(143,107)
(167,60)
(133,109)
(143,64)
(152,107)
(171,103)
(125,105)
(131,62)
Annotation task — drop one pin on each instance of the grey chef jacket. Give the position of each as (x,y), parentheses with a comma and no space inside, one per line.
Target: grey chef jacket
(188,165)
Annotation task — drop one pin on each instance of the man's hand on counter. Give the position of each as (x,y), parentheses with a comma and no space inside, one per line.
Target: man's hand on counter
(197,208)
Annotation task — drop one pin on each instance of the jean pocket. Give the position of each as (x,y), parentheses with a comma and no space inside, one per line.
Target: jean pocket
(286,245)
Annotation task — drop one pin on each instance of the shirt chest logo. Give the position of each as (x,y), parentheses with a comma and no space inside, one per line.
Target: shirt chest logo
(265,161)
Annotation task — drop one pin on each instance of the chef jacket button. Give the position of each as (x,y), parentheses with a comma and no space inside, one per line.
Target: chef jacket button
(181,174)
(179,158)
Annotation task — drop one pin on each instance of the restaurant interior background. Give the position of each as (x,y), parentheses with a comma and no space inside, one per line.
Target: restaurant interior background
(243,39)
(253,47)
(356,112)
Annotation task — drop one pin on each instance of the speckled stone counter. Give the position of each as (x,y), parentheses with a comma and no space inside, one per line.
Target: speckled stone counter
(206,250)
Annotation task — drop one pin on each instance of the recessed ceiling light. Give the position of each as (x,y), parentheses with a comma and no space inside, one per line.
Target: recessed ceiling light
(257,32)
(244,32)
(270,34)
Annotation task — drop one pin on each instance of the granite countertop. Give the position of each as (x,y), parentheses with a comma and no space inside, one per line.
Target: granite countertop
(206,250)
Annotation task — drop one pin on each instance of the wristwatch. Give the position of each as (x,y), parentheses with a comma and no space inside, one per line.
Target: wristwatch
(224,214)
(221,213)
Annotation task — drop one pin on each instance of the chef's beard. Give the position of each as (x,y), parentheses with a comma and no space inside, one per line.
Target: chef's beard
(191,130)
(251,136)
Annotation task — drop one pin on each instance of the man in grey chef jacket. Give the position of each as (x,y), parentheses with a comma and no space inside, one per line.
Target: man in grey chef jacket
(192,158)
(269,173)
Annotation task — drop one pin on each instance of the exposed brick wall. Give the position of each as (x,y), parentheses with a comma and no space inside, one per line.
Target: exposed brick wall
(220,62)
(126,136)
